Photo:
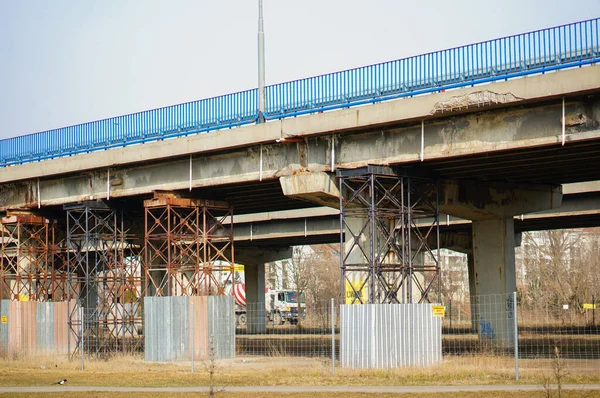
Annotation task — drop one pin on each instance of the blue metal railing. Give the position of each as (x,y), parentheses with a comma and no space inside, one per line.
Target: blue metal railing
(560,47)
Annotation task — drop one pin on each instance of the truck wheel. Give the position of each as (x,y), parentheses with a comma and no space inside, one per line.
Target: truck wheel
(278,320)
(242,320)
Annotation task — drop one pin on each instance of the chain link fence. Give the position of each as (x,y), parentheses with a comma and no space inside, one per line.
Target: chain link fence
(482,329)
(304,333)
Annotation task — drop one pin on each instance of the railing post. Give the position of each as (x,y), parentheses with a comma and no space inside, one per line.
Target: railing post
(516,336)
(82,337)
(261,64)
(332,336)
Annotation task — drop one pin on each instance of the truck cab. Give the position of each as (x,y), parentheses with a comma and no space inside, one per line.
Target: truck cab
(282,306)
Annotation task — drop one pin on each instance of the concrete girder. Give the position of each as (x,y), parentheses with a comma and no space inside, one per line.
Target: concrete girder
(327,226)
(450,136)
(471,200)
(463,242)
(253,256)
(320,187)
(476,200)
(293,228)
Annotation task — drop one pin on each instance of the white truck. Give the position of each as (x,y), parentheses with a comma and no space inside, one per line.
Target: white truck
(281,305)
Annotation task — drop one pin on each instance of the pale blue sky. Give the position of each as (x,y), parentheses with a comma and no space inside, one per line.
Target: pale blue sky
(64,62)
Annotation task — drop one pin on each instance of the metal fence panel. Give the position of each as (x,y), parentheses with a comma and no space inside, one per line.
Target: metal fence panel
(221,325)
(176,327)
(45,326)
(33,327)
(389,335)
(150,335)
(61,327)
(178,314)
(165,327)
(22,328)
(4,319)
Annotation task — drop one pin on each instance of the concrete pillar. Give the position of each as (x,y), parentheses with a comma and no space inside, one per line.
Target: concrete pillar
(255,298)
(254,261)
(494,269)
(491,206)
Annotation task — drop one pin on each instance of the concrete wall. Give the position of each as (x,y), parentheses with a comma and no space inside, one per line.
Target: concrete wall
(174,327)
(389,335)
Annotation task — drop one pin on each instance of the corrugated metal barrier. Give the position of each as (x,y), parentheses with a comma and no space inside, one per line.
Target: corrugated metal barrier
(174,327)
(30,327)
(389,335)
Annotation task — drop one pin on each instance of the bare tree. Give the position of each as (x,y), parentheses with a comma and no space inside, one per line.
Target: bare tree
(454,278)
(562,266)
(315,273)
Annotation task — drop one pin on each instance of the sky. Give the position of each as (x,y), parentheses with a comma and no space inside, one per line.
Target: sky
(64,62)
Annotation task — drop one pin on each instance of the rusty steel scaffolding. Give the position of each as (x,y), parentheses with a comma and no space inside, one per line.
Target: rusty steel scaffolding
(188,246)
(105,276)
(32,266)
(389,223)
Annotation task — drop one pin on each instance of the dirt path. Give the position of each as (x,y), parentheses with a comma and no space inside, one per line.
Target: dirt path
(300,389)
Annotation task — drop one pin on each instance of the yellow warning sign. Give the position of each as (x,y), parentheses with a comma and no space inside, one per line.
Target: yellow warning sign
(4,319)
(590,306)
(439,310)
(356,292)
(23,297)
(238,268)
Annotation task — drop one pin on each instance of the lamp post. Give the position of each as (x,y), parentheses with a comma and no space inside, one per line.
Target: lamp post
(261,64)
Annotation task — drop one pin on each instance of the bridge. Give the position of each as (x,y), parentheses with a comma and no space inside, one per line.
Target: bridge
(494,130)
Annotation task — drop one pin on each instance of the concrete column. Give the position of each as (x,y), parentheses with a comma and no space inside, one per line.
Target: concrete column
(494,269)
(254,261)
(255,298)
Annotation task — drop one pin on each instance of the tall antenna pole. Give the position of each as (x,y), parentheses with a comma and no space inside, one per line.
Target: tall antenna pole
(261,64)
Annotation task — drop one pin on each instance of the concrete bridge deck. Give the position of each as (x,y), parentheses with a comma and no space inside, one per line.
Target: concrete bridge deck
(517,141)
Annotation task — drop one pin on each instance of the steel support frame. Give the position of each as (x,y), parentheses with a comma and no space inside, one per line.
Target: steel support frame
(105,278)
(188,246)
(31,266)
(388,259)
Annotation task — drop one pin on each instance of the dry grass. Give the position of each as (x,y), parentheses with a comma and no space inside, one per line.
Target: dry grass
(225,394)
(285,371)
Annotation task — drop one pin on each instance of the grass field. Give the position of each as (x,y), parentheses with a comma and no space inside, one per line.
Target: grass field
(282,371)
(225,394)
